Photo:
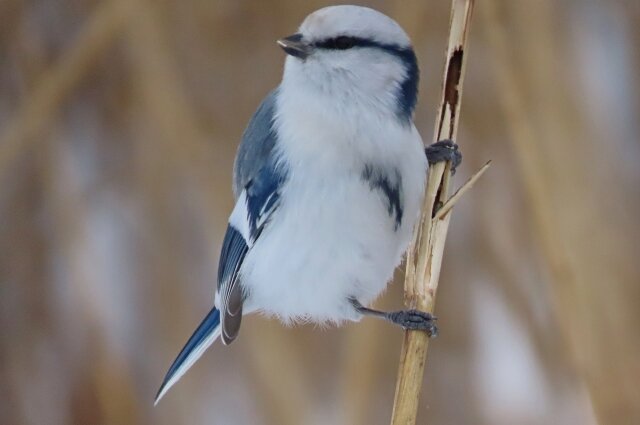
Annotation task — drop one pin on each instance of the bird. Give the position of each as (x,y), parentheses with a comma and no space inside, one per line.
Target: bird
(328,180)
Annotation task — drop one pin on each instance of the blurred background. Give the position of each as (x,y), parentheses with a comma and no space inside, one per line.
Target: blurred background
(119,120)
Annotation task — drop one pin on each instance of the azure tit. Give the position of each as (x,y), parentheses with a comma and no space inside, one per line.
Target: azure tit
(328,179)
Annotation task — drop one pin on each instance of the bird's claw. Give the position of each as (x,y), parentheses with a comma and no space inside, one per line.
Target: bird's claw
(415,320)
(444,150)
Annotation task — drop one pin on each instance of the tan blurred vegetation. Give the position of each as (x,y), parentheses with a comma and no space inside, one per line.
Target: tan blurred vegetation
(119,120)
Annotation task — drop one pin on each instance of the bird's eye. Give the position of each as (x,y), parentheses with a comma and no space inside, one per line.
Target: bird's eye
(344,42)
(338,43)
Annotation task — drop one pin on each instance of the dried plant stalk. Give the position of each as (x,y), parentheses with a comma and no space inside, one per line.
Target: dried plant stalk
(424,257)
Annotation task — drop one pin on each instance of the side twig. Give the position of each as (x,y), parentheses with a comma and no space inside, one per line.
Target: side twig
(424,257)
(447,206)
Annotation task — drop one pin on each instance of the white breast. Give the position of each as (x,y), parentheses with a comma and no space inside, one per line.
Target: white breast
(332,237)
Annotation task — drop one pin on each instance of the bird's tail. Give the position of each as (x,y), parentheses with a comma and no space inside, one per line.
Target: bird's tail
(202,338)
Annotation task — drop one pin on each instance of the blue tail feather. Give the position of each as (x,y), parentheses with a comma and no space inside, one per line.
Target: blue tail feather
(202,338)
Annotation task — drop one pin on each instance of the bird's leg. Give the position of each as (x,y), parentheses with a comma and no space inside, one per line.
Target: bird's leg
(444,150)
(408,319)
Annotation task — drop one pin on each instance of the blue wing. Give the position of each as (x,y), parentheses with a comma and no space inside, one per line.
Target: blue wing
(256,205)
(257,144)
(258,178)
(234,249)
(389,184)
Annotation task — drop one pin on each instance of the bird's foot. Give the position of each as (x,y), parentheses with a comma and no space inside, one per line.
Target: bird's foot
(408,319)
(414,320)
(444,150)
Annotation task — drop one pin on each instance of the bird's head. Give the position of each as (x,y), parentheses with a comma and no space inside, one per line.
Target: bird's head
(353,53)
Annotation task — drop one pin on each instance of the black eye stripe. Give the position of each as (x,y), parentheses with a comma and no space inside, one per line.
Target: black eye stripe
(342,42)
(345,42)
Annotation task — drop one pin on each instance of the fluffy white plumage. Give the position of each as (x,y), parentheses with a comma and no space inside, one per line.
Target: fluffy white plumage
(332,237)
(336,241)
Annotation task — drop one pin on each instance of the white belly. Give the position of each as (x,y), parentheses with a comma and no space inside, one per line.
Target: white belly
(331,238)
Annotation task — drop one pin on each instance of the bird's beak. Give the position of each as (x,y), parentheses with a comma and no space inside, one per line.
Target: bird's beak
(294,46)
